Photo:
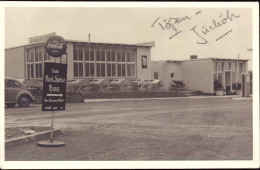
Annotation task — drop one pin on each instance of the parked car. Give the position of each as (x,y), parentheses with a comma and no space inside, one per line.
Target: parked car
(15,92)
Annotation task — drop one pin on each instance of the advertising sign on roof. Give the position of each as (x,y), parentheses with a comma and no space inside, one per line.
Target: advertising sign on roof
(56,46)
(40,38)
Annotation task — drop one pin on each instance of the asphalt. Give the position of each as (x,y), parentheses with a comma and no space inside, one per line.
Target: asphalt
(212,128)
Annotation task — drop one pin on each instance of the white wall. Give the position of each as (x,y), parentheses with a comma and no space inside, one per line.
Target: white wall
(165,69)
(70,70)
(198,75)
(14,63)
(144,73)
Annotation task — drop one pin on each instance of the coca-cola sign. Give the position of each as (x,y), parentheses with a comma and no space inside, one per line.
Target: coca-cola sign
(56,46)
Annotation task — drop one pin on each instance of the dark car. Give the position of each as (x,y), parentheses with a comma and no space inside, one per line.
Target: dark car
(15,92)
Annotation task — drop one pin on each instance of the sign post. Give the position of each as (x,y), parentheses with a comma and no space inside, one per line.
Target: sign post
(54,84)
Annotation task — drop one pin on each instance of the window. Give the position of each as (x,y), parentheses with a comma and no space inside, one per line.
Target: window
(215,64)
(46,56)
(144,61)
(30,71)
(36,55)
(78,60)
(78,69)
(172,75)
(226,66)
(38,69)
(111,70)
(121,70)
(80,53)
(98,55)
(130,56)
(219,66)
(130,70)
(102,54)
(89,69)
(100,69)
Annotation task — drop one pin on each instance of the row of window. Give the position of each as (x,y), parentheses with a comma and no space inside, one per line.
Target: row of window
(88,62)
(86,53)
(104,70)
(37,54)
(221,66)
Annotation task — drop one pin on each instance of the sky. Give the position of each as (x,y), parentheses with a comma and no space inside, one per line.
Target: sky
(176,31)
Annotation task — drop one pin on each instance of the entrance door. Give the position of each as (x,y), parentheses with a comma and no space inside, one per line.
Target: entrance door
(228,81)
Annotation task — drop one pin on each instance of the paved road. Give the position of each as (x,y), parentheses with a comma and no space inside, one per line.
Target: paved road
(172,129)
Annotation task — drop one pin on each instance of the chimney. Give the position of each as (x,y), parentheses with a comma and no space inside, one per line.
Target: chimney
(193,57)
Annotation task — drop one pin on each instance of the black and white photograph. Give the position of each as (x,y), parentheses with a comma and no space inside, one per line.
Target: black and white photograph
(129,85)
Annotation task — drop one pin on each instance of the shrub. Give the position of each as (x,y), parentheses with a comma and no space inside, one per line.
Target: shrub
(218,85)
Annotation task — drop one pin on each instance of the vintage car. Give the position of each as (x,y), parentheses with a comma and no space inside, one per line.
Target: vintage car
(15,92)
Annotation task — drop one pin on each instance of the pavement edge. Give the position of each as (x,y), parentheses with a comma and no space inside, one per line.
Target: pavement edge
(37,136)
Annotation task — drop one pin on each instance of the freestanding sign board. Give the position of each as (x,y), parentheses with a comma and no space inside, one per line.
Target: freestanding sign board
(54,87)
(54,83)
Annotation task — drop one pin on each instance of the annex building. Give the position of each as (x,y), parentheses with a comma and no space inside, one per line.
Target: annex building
(200,73)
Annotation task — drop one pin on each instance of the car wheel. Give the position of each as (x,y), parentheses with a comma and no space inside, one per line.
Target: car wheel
(24,101)
(10,104)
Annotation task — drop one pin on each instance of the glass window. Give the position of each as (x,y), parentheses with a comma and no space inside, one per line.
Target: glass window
(226,66)
(92,70)
(240,67)
(233,67)
(75,53)
(98,70)
(80,69)
(80,52)
(76,70)
(219,66)
(215,66)
(123,56)
(32,55)
(91,54)
(123,70)
(36,54)
(38,70)
(40,54)
(128,54)
(98,55)
(30,71)
(103,70)
(86,54)
(87,73)
(113,58)
(118,57)
(130,70)
(109,70)
(113,70)
(102,55)
(109,56)
(28,56)
(119,73)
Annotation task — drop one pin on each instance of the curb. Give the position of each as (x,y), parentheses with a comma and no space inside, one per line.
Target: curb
(29,138)
(156,98)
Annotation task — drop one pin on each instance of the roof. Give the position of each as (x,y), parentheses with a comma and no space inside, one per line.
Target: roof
(144,44)
(198,59)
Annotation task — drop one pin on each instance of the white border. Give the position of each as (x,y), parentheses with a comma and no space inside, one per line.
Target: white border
(142,164)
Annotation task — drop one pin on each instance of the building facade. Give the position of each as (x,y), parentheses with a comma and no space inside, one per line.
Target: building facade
(85,60)
(199,74)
